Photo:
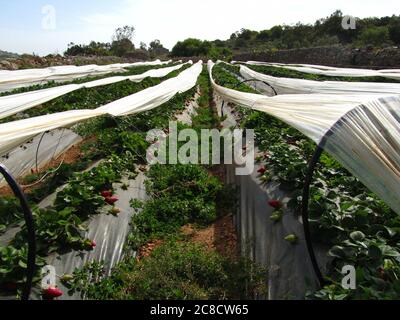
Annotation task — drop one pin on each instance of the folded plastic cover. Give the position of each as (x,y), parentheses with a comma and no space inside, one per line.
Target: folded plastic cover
(10,80)
(361,131)
(297,86)
(331,71)
(15,103)
(13,134)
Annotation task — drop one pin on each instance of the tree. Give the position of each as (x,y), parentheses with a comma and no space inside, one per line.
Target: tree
(276,32)
(376,36)
(394,30)
(264,35)
(122,41)
(191,47)
(125,32)
(156,49)
(122,47)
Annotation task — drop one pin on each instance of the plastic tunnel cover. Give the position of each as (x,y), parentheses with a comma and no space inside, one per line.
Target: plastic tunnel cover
(13,104)
(10,80)
(368,146)
(332,71)
(13,134)
(21,160)
(298,86)
(107,231)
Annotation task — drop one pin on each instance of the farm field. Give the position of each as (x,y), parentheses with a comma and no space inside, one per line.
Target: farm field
(118,228)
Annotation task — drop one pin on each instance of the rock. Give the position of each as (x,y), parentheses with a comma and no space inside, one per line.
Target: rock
(8,65)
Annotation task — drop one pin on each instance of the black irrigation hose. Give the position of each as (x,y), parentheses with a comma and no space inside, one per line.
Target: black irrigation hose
(30,226)
(305,217)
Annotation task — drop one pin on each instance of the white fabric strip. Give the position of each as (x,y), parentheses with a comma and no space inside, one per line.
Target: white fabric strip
(364,131)
(298,86)
(13,134)
(10,80)
(15,103)
(332,71)
(312,114)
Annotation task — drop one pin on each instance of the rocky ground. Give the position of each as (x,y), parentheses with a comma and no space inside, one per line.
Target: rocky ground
(31,61)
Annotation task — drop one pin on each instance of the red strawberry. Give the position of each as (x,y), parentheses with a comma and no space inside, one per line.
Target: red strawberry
(275,204)
(262,170)
(51,293)
(89,244)
(111,200)
(106,193)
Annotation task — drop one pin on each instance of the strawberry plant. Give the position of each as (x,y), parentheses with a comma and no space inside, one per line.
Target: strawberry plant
(359,228)
(61,227)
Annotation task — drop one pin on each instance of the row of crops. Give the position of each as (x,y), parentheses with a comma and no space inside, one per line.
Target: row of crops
(60,227)
(351,222)
(114,227)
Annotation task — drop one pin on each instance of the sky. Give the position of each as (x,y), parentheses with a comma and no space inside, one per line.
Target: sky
(47,26)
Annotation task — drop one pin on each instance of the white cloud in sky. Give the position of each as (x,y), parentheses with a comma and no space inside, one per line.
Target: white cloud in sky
(175,20)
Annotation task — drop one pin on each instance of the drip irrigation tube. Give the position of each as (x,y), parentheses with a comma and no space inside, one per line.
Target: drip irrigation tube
(305,216)
(30,226)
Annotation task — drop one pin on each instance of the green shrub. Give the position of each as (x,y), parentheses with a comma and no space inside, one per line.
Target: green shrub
(180,271)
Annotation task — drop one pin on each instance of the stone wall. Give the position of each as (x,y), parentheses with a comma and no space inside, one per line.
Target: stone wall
(330,56)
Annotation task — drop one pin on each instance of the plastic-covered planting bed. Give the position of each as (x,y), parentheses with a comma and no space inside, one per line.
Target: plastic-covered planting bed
(298,86)
(13,104)
(360,131)
(10,80)
(39,152)
(332,71)
(107,231)
(290,272)
(13,134)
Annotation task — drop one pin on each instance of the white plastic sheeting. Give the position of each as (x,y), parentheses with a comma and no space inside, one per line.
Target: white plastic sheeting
(109,232)
(298,86)
(21,160)
(15,133)
(15,103)
(331,71)
(364,131)
(10,80)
